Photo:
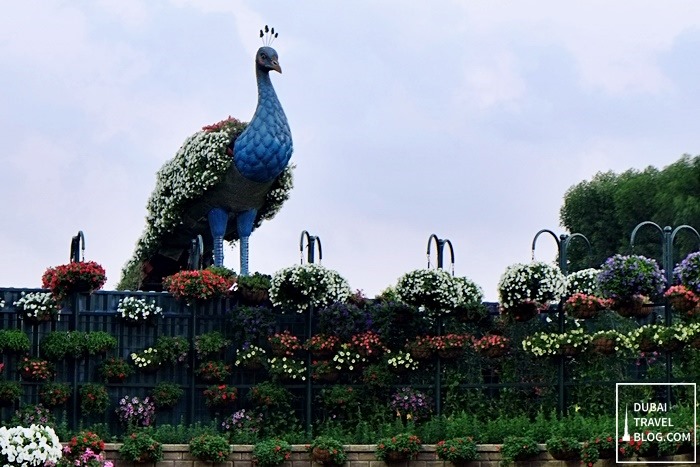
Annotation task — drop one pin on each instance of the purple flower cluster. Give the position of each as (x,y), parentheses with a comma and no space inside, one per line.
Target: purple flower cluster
(624,276)
(687,272)
(34,415)
(136,412)
(242,421)
(411,404)
(343,320)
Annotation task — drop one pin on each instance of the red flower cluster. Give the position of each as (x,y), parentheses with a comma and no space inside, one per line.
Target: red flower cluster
(81,442)
(197,285)
(223,124)
(115,370)
(74,277)
(221,395)
(213,371)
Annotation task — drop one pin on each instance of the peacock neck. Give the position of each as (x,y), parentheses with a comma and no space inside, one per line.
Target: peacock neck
(267,97)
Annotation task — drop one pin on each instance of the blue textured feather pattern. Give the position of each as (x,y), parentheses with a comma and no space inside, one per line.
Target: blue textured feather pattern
(263,150)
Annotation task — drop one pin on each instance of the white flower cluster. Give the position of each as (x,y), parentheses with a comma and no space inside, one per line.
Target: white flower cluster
(287,367)
(138,309)
(536,281)
(297,287)
(248,354)
(2,303)
(37,304)
(584,281)
(402,360)
(148,357)
(549,343)
(347,359)
(437,291)
(37,445)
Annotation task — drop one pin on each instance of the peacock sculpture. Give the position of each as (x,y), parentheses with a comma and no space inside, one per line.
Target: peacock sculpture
(222,184)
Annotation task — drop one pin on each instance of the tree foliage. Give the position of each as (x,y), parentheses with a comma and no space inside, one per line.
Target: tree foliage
(607,208)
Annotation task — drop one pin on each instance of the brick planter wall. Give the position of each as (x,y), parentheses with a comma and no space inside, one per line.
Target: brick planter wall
(177,455)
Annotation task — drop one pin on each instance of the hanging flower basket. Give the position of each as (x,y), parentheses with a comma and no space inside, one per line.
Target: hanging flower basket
(526,289)
(632,307)
(524,311)
(603,345)
(626,278)
(582,306)
(75,277)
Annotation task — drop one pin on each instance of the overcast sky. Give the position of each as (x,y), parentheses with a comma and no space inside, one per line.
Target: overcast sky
(461,118)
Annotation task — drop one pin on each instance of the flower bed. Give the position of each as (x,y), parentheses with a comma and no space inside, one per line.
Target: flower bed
(358,456)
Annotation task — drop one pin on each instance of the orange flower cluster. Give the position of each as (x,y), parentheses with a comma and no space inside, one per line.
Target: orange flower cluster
(284,343)
(451,341)
(35,369)
(490,341)
(367,344)
(321,343)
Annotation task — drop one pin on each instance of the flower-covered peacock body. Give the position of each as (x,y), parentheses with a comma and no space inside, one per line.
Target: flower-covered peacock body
(222,184)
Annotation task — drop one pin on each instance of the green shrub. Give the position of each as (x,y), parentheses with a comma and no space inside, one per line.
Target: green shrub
(13,341)
(518,448)
(141,447)
(210,448)
(457,450)
(562,448)
(271,452)
(327,451)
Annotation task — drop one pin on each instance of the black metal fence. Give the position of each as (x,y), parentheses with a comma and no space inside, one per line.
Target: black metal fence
(463,384)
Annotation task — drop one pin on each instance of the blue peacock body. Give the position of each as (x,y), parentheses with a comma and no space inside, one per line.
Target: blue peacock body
(227,171)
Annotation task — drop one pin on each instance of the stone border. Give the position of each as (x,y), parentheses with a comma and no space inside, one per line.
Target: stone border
(359,455)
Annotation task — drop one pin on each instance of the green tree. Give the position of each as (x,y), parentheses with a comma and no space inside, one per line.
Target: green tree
(607,208)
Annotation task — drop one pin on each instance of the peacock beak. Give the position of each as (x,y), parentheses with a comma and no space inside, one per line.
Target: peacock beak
(276,66)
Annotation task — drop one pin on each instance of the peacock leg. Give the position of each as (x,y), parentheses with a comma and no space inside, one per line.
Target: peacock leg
(245,221)
(218,218)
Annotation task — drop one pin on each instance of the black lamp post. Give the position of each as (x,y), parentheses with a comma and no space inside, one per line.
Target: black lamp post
(440,244)
(311,242)
(563,242)
(75,246)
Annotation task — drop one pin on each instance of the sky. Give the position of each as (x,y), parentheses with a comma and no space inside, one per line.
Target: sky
(464,119)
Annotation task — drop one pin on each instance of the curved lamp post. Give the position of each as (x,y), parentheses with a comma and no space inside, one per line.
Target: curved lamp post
(75,246)
(311,242)
(194,261)
(440,244)
(668,235)
(563,242)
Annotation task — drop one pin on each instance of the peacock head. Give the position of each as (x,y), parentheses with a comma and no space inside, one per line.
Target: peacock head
(266,59)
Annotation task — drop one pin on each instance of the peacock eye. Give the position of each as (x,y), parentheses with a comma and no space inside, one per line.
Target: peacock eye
(263,56)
